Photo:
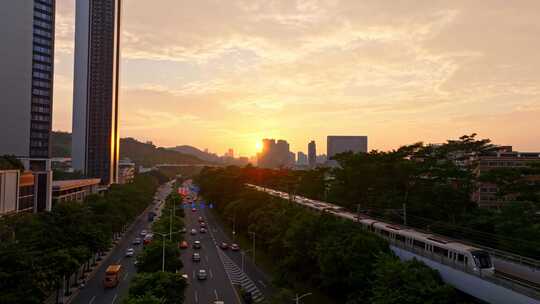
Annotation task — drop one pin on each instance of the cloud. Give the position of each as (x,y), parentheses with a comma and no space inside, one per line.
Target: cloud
(302,69)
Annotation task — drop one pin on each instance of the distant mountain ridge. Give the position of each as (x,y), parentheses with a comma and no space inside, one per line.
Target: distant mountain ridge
(145,154)
(186,149)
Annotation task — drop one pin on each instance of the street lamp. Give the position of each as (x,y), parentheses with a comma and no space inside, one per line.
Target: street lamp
(233,227)
(243,253)
(253,249)
(298,298)
(163,236)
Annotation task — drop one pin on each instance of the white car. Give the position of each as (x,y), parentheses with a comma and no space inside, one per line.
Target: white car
(193,231)
(130,252)
(144,232)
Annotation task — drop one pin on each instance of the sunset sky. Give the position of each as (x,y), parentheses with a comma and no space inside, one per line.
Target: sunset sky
(225,73)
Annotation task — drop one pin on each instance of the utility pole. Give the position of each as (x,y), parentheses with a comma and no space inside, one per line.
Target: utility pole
(405,214)
(253,249)
(170,226)
(358,212)
(163,255)
(234,227)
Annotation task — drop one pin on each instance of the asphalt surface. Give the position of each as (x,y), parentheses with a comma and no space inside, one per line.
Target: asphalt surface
(217,286)
(94,292)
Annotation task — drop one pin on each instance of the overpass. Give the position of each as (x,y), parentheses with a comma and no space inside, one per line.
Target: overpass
(516,279)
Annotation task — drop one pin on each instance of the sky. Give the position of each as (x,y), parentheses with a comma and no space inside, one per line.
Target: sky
(222,74)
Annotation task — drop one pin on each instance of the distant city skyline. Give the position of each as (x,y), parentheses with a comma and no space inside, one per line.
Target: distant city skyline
(437,71)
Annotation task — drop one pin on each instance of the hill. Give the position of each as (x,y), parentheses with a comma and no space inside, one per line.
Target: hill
(190,150)
(145,154)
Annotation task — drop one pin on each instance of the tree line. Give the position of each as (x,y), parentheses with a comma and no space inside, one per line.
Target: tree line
(151,285)
(40,253)
(434,183)
(329,254)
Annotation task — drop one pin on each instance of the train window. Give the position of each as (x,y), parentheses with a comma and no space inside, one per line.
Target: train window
(482,259)
(400,238)
(440,251)
(384,233)
(460,257)
(419,244)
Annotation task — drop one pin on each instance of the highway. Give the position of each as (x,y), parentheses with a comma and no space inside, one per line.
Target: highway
(93,292)
(222,266)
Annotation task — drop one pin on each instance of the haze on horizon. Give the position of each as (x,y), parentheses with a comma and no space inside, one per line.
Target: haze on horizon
(218,74)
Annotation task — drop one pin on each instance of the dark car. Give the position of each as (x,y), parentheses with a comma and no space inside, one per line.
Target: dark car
(196,257)
(224,246)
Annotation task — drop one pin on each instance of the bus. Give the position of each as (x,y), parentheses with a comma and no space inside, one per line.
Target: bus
(112,276)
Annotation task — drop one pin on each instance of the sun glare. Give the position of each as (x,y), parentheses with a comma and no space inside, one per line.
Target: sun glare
(258,146)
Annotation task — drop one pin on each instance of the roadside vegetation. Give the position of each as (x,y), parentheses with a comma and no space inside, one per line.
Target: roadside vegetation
(151,284)
(39,253)
(435,182)
(317,251)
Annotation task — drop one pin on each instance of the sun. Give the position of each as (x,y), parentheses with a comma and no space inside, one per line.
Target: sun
(258,146)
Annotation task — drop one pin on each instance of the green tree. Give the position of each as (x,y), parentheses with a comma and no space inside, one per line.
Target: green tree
(409,282)
(145,299)
(150,259)
(163,285)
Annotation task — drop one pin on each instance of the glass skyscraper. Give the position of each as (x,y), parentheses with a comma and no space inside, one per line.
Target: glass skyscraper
(95,109)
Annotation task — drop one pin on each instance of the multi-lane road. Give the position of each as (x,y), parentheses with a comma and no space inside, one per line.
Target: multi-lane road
(224,267)
(94,292)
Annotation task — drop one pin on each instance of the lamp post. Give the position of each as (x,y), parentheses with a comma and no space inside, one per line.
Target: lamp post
(163,236)
(244,259)
(253,249)
(298,298)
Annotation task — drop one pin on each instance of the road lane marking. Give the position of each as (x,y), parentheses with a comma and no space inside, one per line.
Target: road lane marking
(127,274)
(196,297)
(211,275)
(215,293)
(193,274)
(262,283)
(92,300)
(206,256)
(114,299)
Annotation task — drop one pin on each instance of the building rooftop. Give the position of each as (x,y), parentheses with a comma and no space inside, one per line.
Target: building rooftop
(74,183)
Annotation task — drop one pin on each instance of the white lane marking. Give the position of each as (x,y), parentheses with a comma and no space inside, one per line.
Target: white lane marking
(92,300)
(193,275)
(215,293)
(262,283)
(114,299)
(119,260)
(206,256)
(196,297)
(126,276)
(211,274)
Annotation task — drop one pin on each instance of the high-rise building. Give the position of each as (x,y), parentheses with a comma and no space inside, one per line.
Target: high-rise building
(95,145)
(341,144)
(301,159)
(312,154)
(274,154)
(26,88)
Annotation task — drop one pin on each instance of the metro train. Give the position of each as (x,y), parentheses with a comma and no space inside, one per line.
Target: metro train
(447,251)
(450,252)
